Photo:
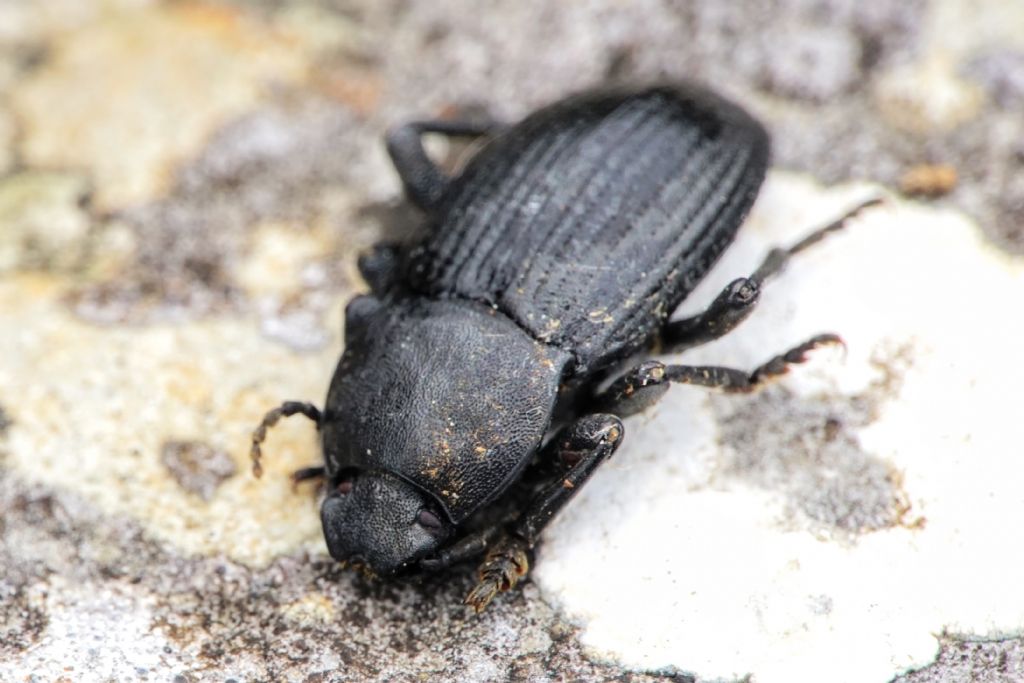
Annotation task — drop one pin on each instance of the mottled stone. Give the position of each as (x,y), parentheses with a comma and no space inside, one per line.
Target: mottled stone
(927,97)
(87,596)
(812,63)
(197,467)
(832,486)
(850,503)
(259,204)
(978,660)
(7,132)
(44,224)
(95,406)
(123,99)
(1001,73)
(246,171)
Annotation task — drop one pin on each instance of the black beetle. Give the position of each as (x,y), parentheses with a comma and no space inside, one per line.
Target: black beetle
(478,367)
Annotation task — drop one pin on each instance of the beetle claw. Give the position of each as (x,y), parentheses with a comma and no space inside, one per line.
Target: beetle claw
(501,570)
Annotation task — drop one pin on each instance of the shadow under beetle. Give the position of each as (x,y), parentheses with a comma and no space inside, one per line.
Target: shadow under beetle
(477,369)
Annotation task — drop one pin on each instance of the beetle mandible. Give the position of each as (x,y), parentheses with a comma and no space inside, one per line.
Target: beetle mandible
(489,362)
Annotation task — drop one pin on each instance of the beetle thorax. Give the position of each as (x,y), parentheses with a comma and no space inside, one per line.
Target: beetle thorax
(450,396)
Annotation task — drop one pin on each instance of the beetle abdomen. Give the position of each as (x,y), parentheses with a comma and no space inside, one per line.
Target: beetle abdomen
(592,219)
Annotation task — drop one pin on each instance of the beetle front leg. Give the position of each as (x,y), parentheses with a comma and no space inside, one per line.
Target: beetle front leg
(424,182)
(581,448)
(286,409)
(466,548)
(739,298)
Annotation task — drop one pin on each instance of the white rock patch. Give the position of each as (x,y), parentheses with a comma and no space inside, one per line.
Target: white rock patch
(673,557)
(94,635)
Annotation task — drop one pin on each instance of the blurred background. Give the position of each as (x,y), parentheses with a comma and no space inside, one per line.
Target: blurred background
(184,186)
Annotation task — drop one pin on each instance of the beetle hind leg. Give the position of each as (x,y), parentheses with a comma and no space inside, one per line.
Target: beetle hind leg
(424,182)
(737,301)
(286,409)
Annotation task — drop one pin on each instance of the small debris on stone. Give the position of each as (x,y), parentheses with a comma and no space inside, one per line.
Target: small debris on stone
(197,467)
(928,180)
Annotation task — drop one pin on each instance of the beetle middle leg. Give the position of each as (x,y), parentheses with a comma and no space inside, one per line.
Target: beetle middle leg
(286,409)
(645,384)
(580,448)
(737,301)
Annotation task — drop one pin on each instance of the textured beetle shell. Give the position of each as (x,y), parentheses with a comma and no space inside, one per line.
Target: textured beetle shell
(451,396)
(591,220)
(560,249)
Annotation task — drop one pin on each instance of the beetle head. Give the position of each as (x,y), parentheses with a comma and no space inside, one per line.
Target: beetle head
(377,520)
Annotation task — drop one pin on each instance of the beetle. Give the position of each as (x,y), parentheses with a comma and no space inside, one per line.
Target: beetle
(492,360)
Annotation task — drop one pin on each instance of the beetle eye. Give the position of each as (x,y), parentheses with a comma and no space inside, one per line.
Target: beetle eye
(429,521)
(345,483)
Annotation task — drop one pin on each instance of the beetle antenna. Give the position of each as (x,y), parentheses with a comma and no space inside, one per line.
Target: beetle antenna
(286,409)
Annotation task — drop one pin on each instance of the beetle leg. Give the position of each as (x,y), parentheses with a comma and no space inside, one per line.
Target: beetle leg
(307,474)
(466,548)
(424,182)
(740,381)
(581,448)
(286,409)
(729,309)
(635,391)
(737,301)
(379,266)
(644,385)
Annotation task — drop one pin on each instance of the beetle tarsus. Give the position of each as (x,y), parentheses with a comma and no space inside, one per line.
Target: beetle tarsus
(286,409)
(501,570)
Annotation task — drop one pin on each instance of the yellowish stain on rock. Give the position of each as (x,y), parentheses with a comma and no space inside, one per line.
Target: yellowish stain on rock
(930,95)
(91,408)
(310,610)
(42,223)
(927,96)
(144,107)
(6,138)
(277,257)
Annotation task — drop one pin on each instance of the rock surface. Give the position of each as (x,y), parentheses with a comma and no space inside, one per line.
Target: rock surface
(183,189)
